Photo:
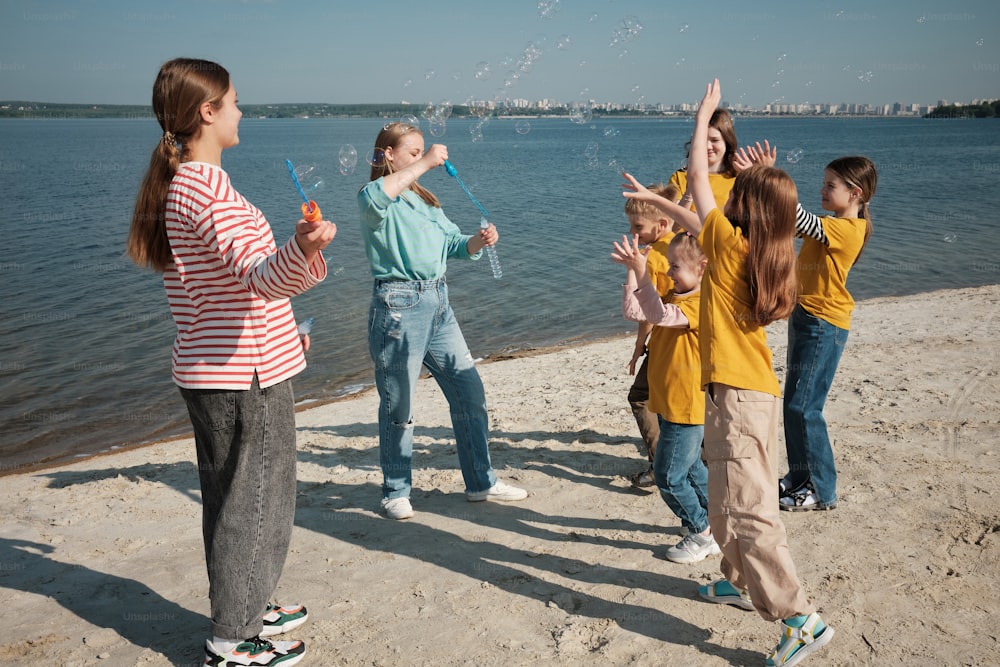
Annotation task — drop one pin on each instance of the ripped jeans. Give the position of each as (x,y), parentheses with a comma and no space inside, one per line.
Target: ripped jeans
(411,325)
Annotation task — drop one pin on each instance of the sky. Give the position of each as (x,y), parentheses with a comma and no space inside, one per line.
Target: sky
(434,51)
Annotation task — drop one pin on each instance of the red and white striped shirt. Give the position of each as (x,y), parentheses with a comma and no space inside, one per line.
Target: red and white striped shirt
(230,285)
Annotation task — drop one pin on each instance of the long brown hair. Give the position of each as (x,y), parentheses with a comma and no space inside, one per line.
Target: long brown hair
(722,121)
(181,87)
(763,205)
(389,137)
(857,171)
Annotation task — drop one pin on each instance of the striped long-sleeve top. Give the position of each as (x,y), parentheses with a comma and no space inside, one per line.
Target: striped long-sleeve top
(229,286)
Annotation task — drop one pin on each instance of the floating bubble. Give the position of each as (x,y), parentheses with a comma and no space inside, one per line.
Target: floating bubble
(591,150)
(593,18)
(564,42)
(628,29)
(582,63)
(348,158)
(522,127)
(950,238)
(866,77)
(611,132)
(410,119)
(437,127)
(429,74)
(407,83)
(580,112)
(795,155)
(375,157)
(309,178)
(980,42)
(921,19)
(483,71)
(548,8)
(684,28)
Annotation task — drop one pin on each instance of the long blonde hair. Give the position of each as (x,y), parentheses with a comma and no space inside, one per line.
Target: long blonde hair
(763,205)
(390,137)
(181,87)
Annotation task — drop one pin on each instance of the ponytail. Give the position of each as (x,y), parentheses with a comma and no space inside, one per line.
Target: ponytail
(181,87)
(859,172)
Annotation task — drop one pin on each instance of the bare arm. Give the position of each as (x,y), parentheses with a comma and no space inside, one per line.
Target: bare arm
(393,184)
(685,217)
(698,183)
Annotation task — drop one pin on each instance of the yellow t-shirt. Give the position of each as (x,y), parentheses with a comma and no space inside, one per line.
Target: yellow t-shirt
(734,347)
(657,264)
(822,270)
(721,186)
(675,391)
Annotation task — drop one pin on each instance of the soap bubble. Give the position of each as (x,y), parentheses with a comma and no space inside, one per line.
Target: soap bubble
(866,77)
(548,8)
(980,42)
(795,155)
(522,127)
(593,18)
(564,42)
(921,19)
(409,119)
(611,132)
(950,238)
(429,74)
(684,28)
(309,178)
(627,30)
(375,157)
(348,158)
(591,150)
(483,71)
(580,112)
(437,127)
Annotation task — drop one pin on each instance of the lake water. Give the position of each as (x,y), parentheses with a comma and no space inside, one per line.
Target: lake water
(85,336)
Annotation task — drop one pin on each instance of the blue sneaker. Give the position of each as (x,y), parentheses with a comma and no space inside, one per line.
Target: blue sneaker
(797,642)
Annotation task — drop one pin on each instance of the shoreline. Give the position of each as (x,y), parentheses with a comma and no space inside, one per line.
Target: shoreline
(310,403)
(102,559)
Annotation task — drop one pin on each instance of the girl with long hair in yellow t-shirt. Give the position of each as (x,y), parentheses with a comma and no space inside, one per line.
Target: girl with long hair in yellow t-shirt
(750,283)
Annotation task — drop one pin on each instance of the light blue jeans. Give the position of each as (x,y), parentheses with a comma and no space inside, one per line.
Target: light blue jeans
(681,475)
(410,325)
(814,350)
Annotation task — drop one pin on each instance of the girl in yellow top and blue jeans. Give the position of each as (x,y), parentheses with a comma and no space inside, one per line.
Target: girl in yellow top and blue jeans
(819,326)
(749,283)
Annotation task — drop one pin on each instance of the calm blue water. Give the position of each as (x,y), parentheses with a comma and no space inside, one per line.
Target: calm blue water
(85,336)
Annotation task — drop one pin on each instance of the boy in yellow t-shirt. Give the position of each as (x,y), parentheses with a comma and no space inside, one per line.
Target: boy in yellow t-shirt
(654,229)
(675,390)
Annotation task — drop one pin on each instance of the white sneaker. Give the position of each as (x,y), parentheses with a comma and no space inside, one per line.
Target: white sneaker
(397,508)
(693,548)
(499,491)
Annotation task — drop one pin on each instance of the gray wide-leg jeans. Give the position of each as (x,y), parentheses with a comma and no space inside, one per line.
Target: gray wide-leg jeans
(246,465)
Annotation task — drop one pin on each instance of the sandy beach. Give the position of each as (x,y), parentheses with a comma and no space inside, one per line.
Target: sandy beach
(101,561)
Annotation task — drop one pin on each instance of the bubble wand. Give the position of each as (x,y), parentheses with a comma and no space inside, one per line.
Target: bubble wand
(491,252)
(310,209)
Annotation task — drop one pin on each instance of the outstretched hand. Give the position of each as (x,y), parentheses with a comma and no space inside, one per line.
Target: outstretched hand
(750,155)
(633,189)
(631,255)
(709,103)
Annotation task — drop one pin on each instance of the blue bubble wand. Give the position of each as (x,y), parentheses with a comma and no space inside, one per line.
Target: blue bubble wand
(491,252)
(310,210)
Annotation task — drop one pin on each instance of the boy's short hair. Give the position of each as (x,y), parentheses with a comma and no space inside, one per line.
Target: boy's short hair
(666,190)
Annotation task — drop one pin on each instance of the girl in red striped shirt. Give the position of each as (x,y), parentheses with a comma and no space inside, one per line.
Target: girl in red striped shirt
(228,286)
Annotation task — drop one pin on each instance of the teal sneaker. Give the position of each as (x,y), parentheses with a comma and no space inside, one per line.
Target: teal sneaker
(279,618)
(723,592)
(799,641)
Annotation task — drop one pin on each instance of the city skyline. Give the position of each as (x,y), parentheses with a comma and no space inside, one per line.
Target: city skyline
(625,51)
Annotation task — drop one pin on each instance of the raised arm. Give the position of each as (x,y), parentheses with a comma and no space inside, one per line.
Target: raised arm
(393,184)
(698,183)
(809,224)
(685,217)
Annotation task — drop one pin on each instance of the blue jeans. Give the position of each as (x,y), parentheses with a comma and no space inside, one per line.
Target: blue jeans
(681,475)
(246,465)
(814,350)
(410,325)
